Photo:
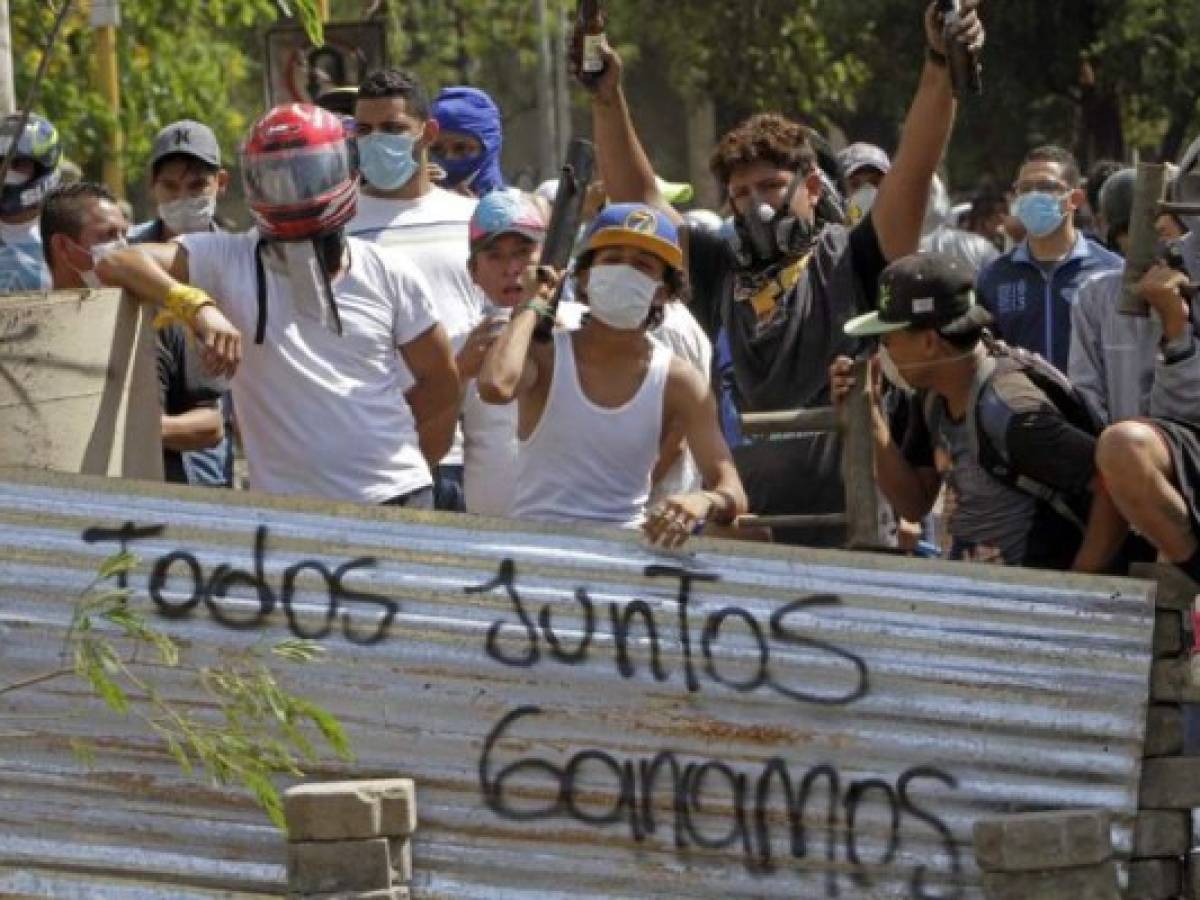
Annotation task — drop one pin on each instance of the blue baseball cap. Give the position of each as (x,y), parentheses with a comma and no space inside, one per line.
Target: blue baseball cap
(636,225)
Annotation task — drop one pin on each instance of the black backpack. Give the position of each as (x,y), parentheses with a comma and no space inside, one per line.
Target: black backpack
(1002,360)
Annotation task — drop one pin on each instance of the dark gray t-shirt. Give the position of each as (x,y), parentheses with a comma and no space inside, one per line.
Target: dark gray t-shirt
(782,361)
(985,513)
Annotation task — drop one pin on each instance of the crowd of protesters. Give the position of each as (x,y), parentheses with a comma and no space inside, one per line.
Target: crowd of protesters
(384,334)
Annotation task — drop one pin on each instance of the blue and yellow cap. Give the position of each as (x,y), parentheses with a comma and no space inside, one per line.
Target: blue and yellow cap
(636,225)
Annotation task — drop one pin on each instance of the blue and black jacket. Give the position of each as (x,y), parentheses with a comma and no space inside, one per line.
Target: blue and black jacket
(1033,310)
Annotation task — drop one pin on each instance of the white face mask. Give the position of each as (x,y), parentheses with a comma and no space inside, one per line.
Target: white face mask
(620,296)
(97,253)
(188,215)
(16,179)
(892,372)
(860,204)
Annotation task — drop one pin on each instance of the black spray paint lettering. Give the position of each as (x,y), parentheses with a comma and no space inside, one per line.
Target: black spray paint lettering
(180,564)
(522,644)
(752,798)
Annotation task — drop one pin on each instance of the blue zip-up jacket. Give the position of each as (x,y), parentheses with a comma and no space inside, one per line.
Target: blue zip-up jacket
(1033,311)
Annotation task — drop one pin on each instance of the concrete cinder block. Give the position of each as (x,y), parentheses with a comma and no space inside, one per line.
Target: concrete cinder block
(344,810)
(401,852)
(325,867)
(397,807)
(331,811)
(1164,730)
(1168,634)
(1175,589)
(1159,833)
(1040,841)
(1083,883)
(1170,783)
(1155,879)
(1171,681)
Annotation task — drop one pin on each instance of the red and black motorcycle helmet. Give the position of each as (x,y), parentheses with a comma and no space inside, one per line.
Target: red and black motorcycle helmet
(299,173)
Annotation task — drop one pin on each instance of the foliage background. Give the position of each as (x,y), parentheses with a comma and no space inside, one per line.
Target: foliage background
(1108,78)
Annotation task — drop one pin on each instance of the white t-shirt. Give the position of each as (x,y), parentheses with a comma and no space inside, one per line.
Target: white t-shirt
(683,335)
(321,414)
(432,233)
(489,448)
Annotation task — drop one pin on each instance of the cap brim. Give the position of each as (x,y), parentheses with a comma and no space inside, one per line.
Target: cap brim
(486,240)
(870,324)
(620,237)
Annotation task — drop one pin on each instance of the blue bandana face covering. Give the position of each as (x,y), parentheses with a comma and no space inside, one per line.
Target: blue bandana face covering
(1041,213)
(468,110)
(387,160)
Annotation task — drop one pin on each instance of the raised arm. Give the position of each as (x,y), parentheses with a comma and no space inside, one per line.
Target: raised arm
(900,207)
(628,174)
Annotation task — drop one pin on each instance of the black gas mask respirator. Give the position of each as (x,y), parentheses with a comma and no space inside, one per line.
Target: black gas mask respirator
(763,236)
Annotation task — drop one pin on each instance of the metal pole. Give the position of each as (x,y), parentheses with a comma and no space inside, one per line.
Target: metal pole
(547,152)
(562,84)
(106,16)
(8,92)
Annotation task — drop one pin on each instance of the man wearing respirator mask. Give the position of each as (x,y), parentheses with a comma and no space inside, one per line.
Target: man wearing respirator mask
(795,274)
(323,405)
(597,407)
(1030,290)
(406,215)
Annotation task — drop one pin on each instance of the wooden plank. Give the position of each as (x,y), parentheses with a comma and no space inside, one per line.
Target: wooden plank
(820,419)
(858,462)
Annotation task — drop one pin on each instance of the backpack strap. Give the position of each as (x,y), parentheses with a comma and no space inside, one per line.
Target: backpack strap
(995,463)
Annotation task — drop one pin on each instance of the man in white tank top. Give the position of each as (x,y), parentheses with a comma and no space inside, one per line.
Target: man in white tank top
(595,407)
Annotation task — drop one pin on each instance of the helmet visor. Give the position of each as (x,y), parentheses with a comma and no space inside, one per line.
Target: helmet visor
(291,177)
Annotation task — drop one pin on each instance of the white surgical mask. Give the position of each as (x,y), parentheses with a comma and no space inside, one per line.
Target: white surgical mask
(188,215)
(620,296)
(892,372)
(860,204)
(97,253)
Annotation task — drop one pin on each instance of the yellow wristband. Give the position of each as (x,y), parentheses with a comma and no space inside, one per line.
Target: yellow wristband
(184,301)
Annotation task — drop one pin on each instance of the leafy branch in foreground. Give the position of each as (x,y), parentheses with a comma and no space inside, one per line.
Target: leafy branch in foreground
(259,728)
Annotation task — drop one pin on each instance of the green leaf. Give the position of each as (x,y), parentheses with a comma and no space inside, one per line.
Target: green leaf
(181,757)
(267,796)
(300,651)
(330,728)
(108,690)
(117,564)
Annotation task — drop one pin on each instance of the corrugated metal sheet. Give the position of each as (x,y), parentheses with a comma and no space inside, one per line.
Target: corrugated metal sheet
(932,694)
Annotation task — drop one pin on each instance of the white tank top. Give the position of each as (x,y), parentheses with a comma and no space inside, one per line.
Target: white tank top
(586,463)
